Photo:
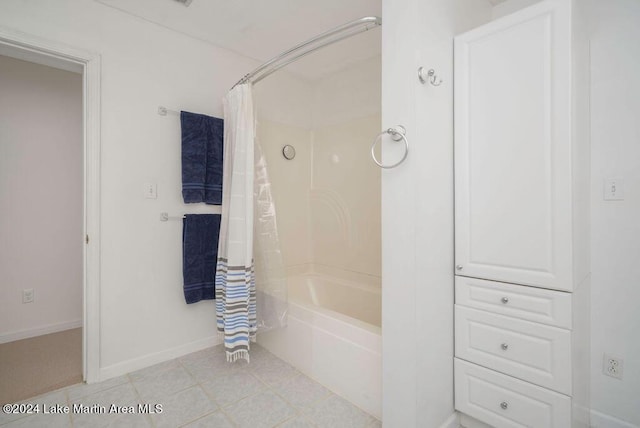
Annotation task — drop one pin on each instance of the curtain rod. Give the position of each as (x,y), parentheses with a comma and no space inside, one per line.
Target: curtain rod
(325,39)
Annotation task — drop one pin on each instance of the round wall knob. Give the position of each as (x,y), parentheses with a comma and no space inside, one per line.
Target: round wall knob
(458,267)
(504,405)
(505,300)
(504,346)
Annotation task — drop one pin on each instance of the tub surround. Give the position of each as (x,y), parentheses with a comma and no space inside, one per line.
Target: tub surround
(328,196)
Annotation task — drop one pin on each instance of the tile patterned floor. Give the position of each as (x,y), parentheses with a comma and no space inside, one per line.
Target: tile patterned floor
(201,390)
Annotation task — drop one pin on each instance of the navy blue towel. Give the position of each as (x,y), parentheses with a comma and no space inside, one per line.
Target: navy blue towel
(199,256)
(202,147)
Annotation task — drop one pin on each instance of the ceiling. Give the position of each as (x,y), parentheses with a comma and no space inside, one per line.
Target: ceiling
(263,29)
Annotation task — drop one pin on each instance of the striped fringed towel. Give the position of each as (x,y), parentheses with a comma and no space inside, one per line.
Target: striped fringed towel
(235,284)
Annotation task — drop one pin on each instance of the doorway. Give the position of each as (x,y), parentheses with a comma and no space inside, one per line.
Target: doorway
(48,206)
(41,195)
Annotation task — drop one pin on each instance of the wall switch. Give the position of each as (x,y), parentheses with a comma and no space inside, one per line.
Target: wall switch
(151,191)
(27,295)
(612,366)
(613,189)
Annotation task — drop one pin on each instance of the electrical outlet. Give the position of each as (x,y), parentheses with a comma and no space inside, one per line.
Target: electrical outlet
(27,295)
(612,366)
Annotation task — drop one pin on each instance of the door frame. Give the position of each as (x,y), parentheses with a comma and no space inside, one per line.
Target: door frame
(50,52)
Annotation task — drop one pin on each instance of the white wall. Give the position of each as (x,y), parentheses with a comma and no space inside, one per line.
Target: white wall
(143,316)
(510,6)
(417,209)
(40,198)
(615,245)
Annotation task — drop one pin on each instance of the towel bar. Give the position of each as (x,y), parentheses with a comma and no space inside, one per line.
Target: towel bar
(163,111)
(166,217)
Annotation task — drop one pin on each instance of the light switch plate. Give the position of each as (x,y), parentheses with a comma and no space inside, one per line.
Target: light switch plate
(151,191)
(27,295)
(613,189)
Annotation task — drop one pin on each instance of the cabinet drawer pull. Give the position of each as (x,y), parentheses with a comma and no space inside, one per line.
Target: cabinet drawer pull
(504,346)
(458,267)
(504,405)
(505,300)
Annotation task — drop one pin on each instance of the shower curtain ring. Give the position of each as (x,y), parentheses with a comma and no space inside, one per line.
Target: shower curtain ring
(396,134)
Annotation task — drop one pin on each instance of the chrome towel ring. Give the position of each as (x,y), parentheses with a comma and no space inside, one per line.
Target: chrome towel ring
(397,134)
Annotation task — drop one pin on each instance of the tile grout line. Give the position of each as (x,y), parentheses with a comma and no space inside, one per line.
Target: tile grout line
(271,388)
(295,408)
(147,417)
(95,392)
(206,393)
(68,399)
(304,411)
(251,372)
(198,385)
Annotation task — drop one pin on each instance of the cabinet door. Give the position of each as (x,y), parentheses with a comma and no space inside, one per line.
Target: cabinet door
(513,148)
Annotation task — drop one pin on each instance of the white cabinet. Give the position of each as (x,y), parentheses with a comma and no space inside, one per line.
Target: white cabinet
(527,303)
(534,352)
(518,215)
(503,401)
(522,219)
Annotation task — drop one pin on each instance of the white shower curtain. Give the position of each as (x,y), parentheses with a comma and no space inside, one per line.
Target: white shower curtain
(235,278)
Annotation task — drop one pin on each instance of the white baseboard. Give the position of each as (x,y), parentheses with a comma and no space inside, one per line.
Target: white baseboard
(602,420)
(581,416)
(158,357)
(452,422)
(598,420)
(467,421)
(39,331)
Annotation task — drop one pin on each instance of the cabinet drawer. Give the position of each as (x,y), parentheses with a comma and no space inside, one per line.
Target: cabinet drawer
(527,303)
(529,351)
(505,402)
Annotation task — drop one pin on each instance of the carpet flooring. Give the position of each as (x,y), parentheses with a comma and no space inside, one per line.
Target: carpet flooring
(37,365)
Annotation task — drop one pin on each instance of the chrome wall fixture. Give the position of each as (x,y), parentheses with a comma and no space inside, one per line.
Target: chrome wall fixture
(397,134)
(429,76)
(163,111)
(167,217)
(325,39)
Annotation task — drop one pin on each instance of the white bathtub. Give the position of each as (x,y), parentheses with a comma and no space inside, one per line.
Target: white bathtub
(333,336)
